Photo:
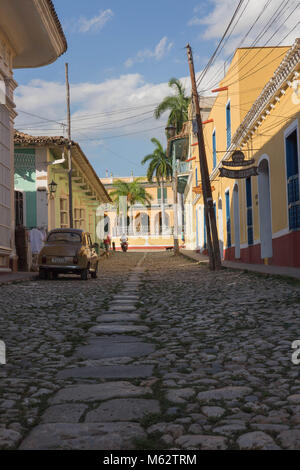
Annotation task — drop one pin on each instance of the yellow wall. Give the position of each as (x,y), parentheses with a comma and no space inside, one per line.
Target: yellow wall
(245,79)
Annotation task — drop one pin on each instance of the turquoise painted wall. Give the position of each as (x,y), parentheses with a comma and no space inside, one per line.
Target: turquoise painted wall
(25,180)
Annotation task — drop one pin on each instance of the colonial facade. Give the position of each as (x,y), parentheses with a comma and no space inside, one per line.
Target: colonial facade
(257,111)
(40,161)
(143,226)
(30,36)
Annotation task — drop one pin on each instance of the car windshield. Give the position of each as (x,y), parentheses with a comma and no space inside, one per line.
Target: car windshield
(64,237)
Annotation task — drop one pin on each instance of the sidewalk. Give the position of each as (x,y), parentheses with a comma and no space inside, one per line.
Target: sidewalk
(6,278)
(258,268)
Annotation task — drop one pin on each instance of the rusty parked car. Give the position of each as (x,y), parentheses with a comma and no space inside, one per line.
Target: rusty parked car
(66,251)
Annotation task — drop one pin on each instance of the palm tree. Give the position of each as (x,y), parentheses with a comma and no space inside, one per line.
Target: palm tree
(177,105)
(134,193)
(160,166)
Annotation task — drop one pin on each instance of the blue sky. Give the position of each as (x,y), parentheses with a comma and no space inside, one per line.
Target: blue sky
(121,56)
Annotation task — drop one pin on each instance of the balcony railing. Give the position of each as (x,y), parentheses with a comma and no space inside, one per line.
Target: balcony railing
(184,167)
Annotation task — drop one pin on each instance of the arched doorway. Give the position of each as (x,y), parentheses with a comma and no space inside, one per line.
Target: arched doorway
(142,223)
(236,215)
(265,214)
(106,225)
(158,223)
(221,230)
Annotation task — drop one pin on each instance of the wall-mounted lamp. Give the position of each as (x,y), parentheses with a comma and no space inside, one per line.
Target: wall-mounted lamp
(52,188)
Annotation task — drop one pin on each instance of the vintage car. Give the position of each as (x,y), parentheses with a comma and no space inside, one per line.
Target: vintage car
(68,250)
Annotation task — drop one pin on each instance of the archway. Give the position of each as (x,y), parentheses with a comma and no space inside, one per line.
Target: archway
(265,214)
(106,225)
(142,223)
(236,214)
(158,223)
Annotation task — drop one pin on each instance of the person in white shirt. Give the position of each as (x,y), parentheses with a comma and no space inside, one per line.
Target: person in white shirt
(36,238)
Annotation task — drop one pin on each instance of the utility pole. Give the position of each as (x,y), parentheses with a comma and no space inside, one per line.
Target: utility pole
(69,149)
(175,209)
(210,216)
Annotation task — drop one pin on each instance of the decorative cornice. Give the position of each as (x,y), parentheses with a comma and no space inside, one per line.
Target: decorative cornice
(52,24)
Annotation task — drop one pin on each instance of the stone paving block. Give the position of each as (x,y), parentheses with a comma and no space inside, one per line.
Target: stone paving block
(226,393)
(107,372)
(67,413)
(124,409)
(99,348)
(202,442)
(98,392)
(129,297)
(112,329)
(8,438)
(290,439)
(118,317)
(83,436)
(256,440)
(122,308)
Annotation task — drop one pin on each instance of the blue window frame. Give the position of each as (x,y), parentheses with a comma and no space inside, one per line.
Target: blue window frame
(228,221)
(292,170)
(214,146)
(196,176)
(228,124)
(249,211)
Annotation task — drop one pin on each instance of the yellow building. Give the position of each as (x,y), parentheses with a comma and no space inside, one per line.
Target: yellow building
(144,226)
(257,111)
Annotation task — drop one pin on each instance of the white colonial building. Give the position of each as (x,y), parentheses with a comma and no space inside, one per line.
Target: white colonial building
(30,36)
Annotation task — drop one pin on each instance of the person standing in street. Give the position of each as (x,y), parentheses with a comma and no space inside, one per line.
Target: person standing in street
(37,239)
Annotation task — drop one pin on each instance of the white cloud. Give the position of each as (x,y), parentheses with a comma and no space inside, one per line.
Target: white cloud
(214,24)
(158,53)
(96,23)
(123,105)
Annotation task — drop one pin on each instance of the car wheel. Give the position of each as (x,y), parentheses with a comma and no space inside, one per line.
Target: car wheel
(94,273)
(84,275)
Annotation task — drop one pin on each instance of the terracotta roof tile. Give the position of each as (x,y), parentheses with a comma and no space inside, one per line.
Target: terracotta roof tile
(20,138)
(57,22)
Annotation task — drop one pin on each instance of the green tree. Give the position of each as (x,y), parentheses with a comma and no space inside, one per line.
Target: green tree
(177,104)
(134,193)
(160,166)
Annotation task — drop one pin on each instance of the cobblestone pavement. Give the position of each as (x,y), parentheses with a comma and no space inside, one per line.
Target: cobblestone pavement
(157,353)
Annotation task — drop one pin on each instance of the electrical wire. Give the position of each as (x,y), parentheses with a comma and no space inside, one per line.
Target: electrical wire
(211,60)
(261,49)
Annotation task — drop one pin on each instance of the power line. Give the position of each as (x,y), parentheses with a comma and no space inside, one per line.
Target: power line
(211,60)
(264,8)
(261,49)
(89,116)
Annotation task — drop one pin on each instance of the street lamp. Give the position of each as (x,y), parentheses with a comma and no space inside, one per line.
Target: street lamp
(52,188)
(170,131)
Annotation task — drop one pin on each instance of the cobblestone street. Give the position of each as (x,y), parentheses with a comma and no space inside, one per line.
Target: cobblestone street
(157,353)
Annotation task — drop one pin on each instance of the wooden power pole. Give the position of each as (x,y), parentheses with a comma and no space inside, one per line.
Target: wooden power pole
(69,149)
(210,216)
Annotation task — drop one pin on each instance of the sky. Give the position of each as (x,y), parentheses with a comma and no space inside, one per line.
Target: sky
(121,55)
